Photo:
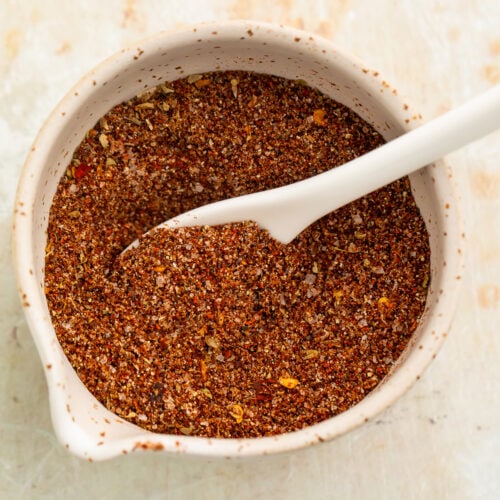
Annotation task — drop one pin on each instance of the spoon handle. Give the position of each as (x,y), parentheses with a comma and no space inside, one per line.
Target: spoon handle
(288,210)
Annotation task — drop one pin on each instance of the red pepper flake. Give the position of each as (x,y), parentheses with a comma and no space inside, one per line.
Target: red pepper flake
(203,369)
(82,170)
(202,83)
(319,117)
(288,382)
(385,302)
(237,412)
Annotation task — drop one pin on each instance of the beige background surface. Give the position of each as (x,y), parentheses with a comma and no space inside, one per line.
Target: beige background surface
(442,439)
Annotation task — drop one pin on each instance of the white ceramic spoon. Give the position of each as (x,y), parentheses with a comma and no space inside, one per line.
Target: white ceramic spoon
(286,211)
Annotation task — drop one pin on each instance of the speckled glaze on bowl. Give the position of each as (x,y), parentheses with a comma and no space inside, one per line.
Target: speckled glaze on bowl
(81,423)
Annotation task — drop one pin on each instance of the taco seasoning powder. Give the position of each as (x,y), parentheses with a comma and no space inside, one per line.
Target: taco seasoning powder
(222,331)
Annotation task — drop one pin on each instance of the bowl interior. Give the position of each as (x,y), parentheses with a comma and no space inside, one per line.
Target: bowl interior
(83,424)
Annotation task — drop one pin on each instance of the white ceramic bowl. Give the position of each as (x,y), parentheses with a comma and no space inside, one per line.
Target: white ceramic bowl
(82,424)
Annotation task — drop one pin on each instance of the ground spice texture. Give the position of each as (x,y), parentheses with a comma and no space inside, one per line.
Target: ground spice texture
(222,331)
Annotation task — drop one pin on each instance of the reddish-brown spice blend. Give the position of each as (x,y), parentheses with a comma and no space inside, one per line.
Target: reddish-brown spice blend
(222,331)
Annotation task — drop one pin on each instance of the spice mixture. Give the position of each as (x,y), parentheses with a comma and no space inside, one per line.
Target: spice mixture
(223,331)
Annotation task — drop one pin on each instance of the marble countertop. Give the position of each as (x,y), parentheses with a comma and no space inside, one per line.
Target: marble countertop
(442,439)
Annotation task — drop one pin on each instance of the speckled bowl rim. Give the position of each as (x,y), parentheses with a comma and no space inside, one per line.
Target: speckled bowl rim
(84,426)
